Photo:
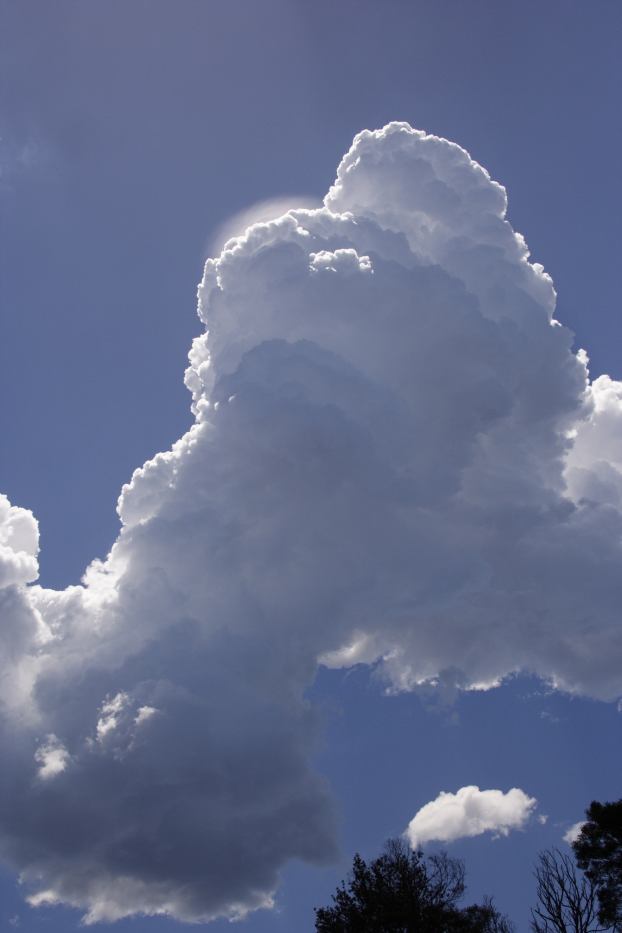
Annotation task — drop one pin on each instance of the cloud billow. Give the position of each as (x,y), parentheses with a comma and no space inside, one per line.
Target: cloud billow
(397,459)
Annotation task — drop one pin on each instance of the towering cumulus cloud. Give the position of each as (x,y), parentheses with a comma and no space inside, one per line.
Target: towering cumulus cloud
(397,458)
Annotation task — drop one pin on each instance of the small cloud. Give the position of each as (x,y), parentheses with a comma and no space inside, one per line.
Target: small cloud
(542,819)
(470,812)
(144,713)
(549,717)
(52,757)
(110,710)
(573,833)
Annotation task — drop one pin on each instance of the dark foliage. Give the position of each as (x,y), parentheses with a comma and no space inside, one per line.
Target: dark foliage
(598,851)
(403,892)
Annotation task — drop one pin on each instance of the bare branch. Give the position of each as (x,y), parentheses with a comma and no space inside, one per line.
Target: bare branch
(567,901)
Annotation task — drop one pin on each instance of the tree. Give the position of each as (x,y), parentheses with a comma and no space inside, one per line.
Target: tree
(403,892)
(483,918)
(598,851)
(567,902)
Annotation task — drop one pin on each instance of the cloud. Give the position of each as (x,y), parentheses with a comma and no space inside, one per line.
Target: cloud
(51,757)
(594,468)
(470,812)
(397,460)
(260,212)
(19,545)
(573,832)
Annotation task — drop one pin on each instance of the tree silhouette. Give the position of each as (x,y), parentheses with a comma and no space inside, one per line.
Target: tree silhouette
(598,851)
(567,901)
(403,892)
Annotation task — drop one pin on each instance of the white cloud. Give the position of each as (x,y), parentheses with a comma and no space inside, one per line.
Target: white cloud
(51,757)
(258,213)
(470,812)
(573,832)
(384,405)
(144,714)
(19,544)
(109,717)
(594,465)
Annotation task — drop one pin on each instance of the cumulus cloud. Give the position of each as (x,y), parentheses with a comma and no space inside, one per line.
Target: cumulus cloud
(594,468)
(470,812)
(19,544)
(397,460)
(260,212)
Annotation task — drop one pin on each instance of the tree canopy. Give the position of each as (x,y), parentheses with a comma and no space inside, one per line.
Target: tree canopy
(598,851)
(401,891)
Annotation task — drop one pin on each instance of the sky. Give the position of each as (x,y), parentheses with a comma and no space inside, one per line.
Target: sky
(381,563)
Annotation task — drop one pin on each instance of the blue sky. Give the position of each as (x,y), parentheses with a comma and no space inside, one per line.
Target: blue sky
(130,133)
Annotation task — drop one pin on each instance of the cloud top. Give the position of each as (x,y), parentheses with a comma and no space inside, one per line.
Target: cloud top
(470,812)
